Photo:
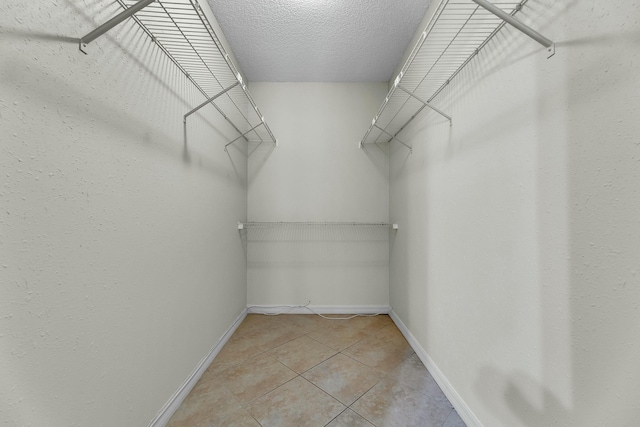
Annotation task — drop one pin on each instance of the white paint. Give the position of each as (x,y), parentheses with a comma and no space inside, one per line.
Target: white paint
(172,405)
(120,261)
(516,267)
(317,174)
(312,41)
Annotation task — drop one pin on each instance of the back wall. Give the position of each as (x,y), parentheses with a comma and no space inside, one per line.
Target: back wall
(318,174)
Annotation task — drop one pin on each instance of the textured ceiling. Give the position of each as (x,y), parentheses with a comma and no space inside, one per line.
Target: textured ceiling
(319,40)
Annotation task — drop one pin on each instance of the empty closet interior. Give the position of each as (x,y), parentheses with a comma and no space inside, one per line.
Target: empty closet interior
(484,193)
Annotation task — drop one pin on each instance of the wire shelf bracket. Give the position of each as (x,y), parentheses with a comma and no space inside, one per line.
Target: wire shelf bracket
(181,29)
(454,35)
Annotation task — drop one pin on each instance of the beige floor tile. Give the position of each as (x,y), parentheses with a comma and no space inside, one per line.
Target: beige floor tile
(250,378)
(254,322)
(239,418)
(302,354)
(208,403)
(378,354)
(343,378)
(392,404)
(270,337)
(338,336)
(304,322)
(371,324)
(349,419)
(255,377)
(294,404)
(412,373)
(454,420)
(392,334)
(236,350)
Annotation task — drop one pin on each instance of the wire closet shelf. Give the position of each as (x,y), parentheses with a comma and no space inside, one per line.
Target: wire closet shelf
(283,224)
(316,231)
(181,29)
(456,32)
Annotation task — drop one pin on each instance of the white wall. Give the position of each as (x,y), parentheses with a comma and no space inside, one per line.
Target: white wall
(318,174)
(120,262)
(516,264)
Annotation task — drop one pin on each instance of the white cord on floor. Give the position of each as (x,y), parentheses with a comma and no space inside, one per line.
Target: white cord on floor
(291,307)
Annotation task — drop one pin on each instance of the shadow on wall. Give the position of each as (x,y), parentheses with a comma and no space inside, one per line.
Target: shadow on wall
(146,70)
(519,394)
(603,153)
(601,144)
(238,151)
(378,154)
(21,34)
(259,153)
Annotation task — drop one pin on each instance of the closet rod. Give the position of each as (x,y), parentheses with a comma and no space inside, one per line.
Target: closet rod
(394,137)
(425,103)
(517,24)
(84,41)
(242,225)
(244,135)
(217,95)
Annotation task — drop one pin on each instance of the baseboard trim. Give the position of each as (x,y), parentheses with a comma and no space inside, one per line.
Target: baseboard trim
(462,408)
(169,408)
(318,309)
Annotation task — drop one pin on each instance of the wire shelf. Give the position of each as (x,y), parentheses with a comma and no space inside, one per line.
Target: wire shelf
(313,224)
(456,32)
(180,28)
(316,231)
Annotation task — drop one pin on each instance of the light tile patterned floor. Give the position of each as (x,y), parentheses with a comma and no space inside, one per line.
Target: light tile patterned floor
(303,370)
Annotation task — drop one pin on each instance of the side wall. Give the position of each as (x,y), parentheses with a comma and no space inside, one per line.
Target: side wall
(318,174)
(516,263)
(120,262)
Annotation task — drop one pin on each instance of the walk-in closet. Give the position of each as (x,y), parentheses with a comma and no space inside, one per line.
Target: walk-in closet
(319,213)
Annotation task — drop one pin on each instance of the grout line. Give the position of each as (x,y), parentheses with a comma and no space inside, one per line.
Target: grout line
(373,335)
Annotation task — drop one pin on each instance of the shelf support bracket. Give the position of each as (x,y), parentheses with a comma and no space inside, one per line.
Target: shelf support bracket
(210,100)
(84,41)
(243,135)
(213,98)
(425,103)
(394,137)
(550,45)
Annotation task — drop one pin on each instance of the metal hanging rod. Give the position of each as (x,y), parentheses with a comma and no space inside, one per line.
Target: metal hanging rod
(395,137)
(181,29)
(518,25)
(244,135)
(244,225)
(84,41)
(217,95)
(455,33)
(425,103)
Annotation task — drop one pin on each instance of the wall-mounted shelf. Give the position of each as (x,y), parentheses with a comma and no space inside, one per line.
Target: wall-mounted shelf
(456,32)
(315,232)
(248,225)
(180,28)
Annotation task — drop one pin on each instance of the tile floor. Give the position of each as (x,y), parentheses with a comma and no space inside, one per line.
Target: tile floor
(303,370)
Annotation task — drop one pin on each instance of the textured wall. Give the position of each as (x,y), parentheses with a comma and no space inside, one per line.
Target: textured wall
(516,264)
(319,174)
(120,264)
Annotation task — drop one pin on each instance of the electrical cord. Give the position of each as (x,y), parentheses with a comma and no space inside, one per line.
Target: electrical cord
(291,307)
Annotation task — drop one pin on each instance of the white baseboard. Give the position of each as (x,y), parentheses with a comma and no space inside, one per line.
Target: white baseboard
(179,396)
(319,309)
(461,407)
